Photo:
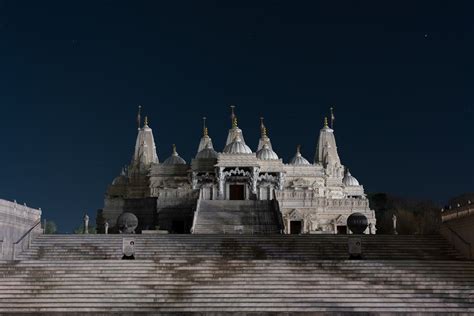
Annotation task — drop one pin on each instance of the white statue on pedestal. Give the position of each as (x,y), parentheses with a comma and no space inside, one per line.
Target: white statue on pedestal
(86,224)
(394,221)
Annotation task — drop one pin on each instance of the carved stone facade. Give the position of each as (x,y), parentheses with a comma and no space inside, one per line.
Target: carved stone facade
(311,197)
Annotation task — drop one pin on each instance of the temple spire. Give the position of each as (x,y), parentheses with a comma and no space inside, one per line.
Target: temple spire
(233,116)
(205,141)
(139,118)
(326,149)
(263,129)
(264,139)
(205,132)
(145,148)
(234,130)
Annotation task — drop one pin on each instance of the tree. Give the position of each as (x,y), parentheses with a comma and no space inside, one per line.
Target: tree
(50,227)
(413,216)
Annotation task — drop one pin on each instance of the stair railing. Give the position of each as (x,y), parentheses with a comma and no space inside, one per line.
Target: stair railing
(457,241)
(26,238)
(198,204)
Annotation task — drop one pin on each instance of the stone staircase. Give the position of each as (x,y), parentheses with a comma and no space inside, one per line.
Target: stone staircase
(238,274)
(241,247)
(236,217)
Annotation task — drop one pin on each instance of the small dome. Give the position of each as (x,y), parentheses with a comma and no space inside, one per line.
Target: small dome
(174,159)
(237,147)
(121,179)
(349,180)
(207,153)
(266,153)
(298,159)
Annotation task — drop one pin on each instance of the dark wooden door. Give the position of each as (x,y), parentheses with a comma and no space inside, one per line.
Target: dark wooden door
(236,192)
(342,230)
(177,227)
(295,227)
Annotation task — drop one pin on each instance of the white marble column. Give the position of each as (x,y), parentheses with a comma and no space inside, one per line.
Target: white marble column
(221,179)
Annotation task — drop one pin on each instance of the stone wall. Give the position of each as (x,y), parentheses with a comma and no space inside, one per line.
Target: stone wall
(458,228)
(15,221)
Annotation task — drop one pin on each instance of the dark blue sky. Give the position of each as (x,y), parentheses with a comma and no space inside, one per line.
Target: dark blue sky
(73,72)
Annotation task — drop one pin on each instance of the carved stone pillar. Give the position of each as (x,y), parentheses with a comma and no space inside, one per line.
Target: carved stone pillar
(221,179)
(194,180)
(281,181)
(255,172)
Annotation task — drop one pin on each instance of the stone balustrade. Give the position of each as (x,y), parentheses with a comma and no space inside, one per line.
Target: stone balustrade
(458,211)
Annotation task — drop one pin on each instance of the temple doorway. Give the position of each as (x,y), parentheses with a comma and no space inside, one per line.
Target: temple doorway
(342,230)
(177,227)
(295,227)
(236,192)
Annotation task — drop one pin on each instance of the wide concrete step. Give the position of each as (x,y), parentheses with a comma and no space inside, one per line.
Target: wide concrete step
(240,286)
(304,247)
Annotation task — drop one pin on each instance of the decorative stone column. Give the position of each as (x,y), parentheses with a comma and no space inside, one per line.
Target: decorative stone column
(281,181)
(221,179)
(194,180)
(254,178)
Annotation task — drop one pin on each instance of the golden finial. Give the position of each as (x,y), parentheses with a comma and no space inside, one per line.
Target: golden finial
(263,129)
(325,122)
(174,149)
(146,120)
(298,149)
(233,116)
(139,118)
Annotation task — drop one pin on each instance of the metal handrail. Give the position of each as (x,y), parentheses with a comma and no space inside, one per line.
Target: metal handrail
(466,243)
(28,233)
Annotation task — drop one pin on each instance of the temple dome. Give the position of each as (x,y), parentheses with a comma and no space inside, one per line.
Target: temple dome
(174,159)
(298,159)
(266,153)
(237,147)
(207,153)
(349,180)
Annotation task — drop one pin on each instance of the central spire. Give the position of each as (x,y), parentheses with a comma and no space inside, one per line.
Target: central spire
(234,129)
(326,149)
(145,148)
(233,116)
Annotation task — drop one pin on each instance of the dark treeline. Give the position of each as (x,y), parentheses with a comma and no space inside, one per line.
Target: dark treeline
(413,216)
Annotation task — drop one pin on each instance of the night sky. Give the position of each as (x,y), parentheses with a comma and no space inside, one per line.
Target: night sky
(72,74)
